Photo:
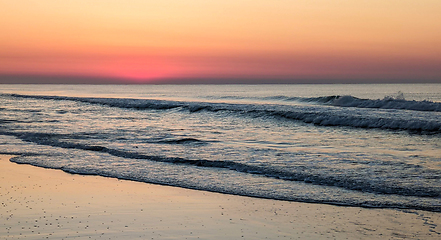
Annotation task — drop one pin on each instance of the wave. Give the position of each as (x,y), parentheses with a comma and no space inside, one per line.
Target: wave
(320,117)
(300,174)
(367,122)
(425,203)
(183,141)
(388,102)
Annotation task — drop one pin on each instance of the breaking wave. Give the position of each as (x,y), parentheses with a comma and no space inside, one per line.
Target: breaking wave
(386,103)
(389,102)
(316,116)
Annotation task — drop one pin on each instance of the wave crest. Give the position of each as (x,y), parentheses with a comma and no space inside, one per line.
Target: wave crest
(386,103)
(321,117)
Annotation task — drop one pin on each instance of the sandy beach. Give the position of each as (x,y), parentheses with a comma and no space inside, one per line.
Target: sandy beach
(39,203)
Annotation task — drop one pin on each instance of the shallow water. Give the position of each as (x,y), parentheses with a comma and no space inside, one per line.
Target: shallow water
(355,145)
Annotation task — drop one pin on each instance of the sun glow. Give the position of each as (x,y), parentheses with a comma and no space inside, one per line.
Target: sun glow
(144,40)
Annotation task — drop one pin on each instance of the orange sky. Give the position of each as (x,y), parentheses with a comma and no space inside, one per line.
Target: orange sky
(279,40)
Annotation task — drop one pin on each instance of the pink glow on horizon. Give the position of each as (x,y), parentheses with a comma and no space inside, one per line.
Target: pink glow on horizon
(150,40)
(144,69)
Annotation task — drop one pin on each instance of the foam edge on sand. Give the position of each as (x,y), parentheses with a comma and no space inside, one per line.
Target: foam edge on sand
(39,203)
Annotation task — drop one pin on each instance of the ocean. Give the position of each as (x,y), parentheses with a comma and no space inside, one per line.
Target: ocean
(374,145)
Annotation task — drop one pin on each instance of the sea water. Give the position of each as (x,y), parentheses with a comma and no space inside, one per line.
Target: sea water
(352,145)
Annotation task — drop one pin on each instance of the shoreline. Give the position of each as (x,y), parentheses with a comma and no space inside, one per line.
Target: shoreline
(41,203)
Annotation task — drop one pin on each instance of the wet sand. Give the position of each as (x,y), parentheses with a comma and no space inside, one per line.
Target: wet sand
(39,203)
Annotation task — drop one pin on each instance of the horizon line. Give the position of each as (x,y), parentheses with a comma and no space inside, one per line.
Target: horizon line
(108,80)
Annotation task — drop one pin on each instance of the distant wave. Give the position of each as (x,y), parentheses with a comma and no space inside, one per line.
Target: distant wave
(306,115)
(325,119)
(388,102)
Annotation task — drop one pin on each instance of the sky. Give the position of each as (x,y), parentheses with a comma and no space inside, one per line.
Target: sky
(200,41)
